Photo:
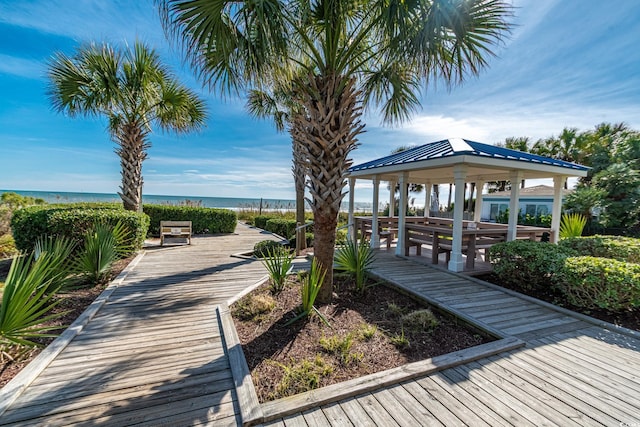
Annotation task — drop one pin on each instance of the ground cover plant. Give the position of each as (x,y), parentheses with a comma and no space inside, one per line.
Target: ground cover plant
(367,332)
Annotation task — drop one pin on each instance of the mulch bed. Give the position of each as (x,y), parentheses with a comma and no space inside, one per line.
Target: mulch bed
(269,344)
(629,319)
(74,303)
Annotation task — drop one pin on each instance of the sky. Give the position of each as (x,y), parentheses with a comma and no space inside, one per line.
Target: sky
(567,63)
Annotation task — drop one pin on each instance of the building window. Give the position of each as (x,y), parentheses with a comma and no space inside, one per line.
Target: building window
(497,209)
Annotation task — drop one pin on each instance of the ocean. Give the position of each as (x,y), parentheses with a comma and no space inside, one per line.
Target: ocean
(234,203)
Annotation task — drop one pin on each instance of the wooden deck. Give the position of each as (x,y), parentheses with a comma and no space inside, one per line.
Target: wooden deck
(571,372)
(155,354)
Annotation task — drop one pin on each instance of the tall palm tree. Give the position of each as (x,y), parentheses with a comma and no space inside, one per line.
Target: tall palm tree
(135,91)
(278,105)
(355,54)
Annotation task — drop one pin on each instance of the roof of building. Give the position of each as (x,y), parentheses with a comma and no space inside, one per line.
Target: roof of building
(478,156)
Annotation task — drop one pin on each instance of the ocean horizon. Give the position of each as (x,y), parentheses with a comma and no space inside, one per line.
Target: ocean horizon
(235,203)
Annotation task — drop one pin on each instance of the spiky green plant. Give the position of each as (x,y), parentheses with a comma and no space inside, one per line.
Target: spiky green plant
(59,250)
(98,254)
(356,259)
(572,225)
(311,284)
(278,264)
(25,303)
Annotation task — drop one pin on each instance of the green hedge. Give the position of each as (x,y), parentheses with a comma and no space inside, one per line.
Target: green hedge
(263,248)
(261,221)
(528,264)
(592,282)
(203,220)
(30,223)
(282,227)
(616,247)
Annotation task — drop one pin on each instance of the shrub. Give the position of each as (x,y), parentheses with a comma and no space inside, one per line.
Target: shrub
(609,284)
(282,227)
(261,221)
(356,259)
(30,223)
(616,247)
(5,220)
(308,238)
(527,264)
(311,284)
(266,247)
(203,220)
(420,320)
(59,250)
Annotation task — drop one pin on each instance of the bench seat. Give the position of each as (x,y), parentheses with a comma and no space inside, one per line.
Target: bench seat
(175,229)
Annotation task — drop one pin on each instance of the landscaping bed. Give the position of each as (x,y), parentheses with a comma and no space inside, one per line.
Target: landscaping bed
(73,302)
(369,332)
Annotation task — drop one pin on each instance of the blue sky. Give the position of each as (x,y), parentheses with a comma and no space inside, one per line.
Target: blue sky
(569,63)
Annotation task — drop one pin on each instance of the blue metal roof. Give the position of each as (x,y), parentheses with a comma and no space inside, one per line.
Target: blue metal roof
(459,147)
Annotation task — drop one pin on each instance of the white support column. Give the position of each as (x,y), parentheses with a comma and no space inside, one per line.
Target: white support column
(514,205)
(402,211)
(427,198)
(352,232)
(459,176)
(392,192)
(375,237)
(477,210)
(556,210)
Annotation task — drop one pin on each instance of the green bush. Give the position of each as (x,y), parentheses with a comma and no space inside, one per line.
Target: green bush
(266,247)
(592,282)
(30,223)
(616,247)
(527,264)
(308,238)
(203,220)
(5,220)
(282,227)
(261,221)
(7,246)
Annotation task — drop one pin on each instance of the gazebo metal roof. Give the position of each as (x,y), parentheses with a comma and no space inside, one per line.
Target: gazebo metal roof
(486,162)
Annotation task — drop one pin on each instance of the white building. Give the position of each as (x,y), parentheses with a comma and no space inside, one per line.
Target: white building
(533,201)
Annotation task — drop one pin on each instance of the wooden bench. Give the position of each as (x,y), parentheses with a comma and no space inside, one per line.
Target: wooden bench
(175,229)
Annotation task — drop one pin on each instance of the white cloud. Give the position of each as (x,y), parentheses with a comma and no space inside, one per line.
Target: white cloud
(21,67)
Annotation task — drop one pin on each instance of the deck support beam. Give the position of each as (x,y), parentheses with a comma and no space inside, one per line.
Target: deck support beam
(556,210)
(427,198)
(375,236)
(402,212)
(514,205)
(477,210)
(459,176)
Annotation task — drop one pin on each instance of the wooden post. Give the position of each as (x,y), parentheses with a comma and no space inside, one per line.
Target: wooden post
(375,237)
(556,210)
(459,175)
(514,205)
(402,212)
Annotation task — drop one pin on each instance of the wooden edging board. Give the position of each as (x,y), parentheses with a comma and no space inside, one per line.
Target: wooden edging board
(250,409)
(14,388)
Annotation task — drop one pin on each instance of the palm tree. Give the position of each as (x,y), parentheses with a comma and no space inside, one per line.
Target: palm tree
(354,55)
(279,106)
(135,91)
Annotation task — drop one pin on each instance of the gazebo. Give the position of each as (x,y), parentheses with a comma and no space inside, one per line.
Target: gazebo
(459,161)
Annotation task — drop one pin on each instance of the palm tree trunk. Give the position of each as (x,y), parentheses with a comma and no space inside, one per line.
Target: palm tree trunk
(132,152)
(299,173)
(328,136)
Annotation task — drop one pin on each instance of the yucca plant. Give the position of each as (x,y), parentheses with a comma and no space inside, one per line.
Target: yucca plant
(572,225)
(278,263)
(26,304)
(356,259)
(311,284)
(98,254)
(59,250)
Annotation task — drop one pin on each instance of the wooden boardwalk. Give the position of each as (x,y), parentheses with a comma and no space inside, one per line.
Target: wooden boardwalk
(570,373)
(153,354)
